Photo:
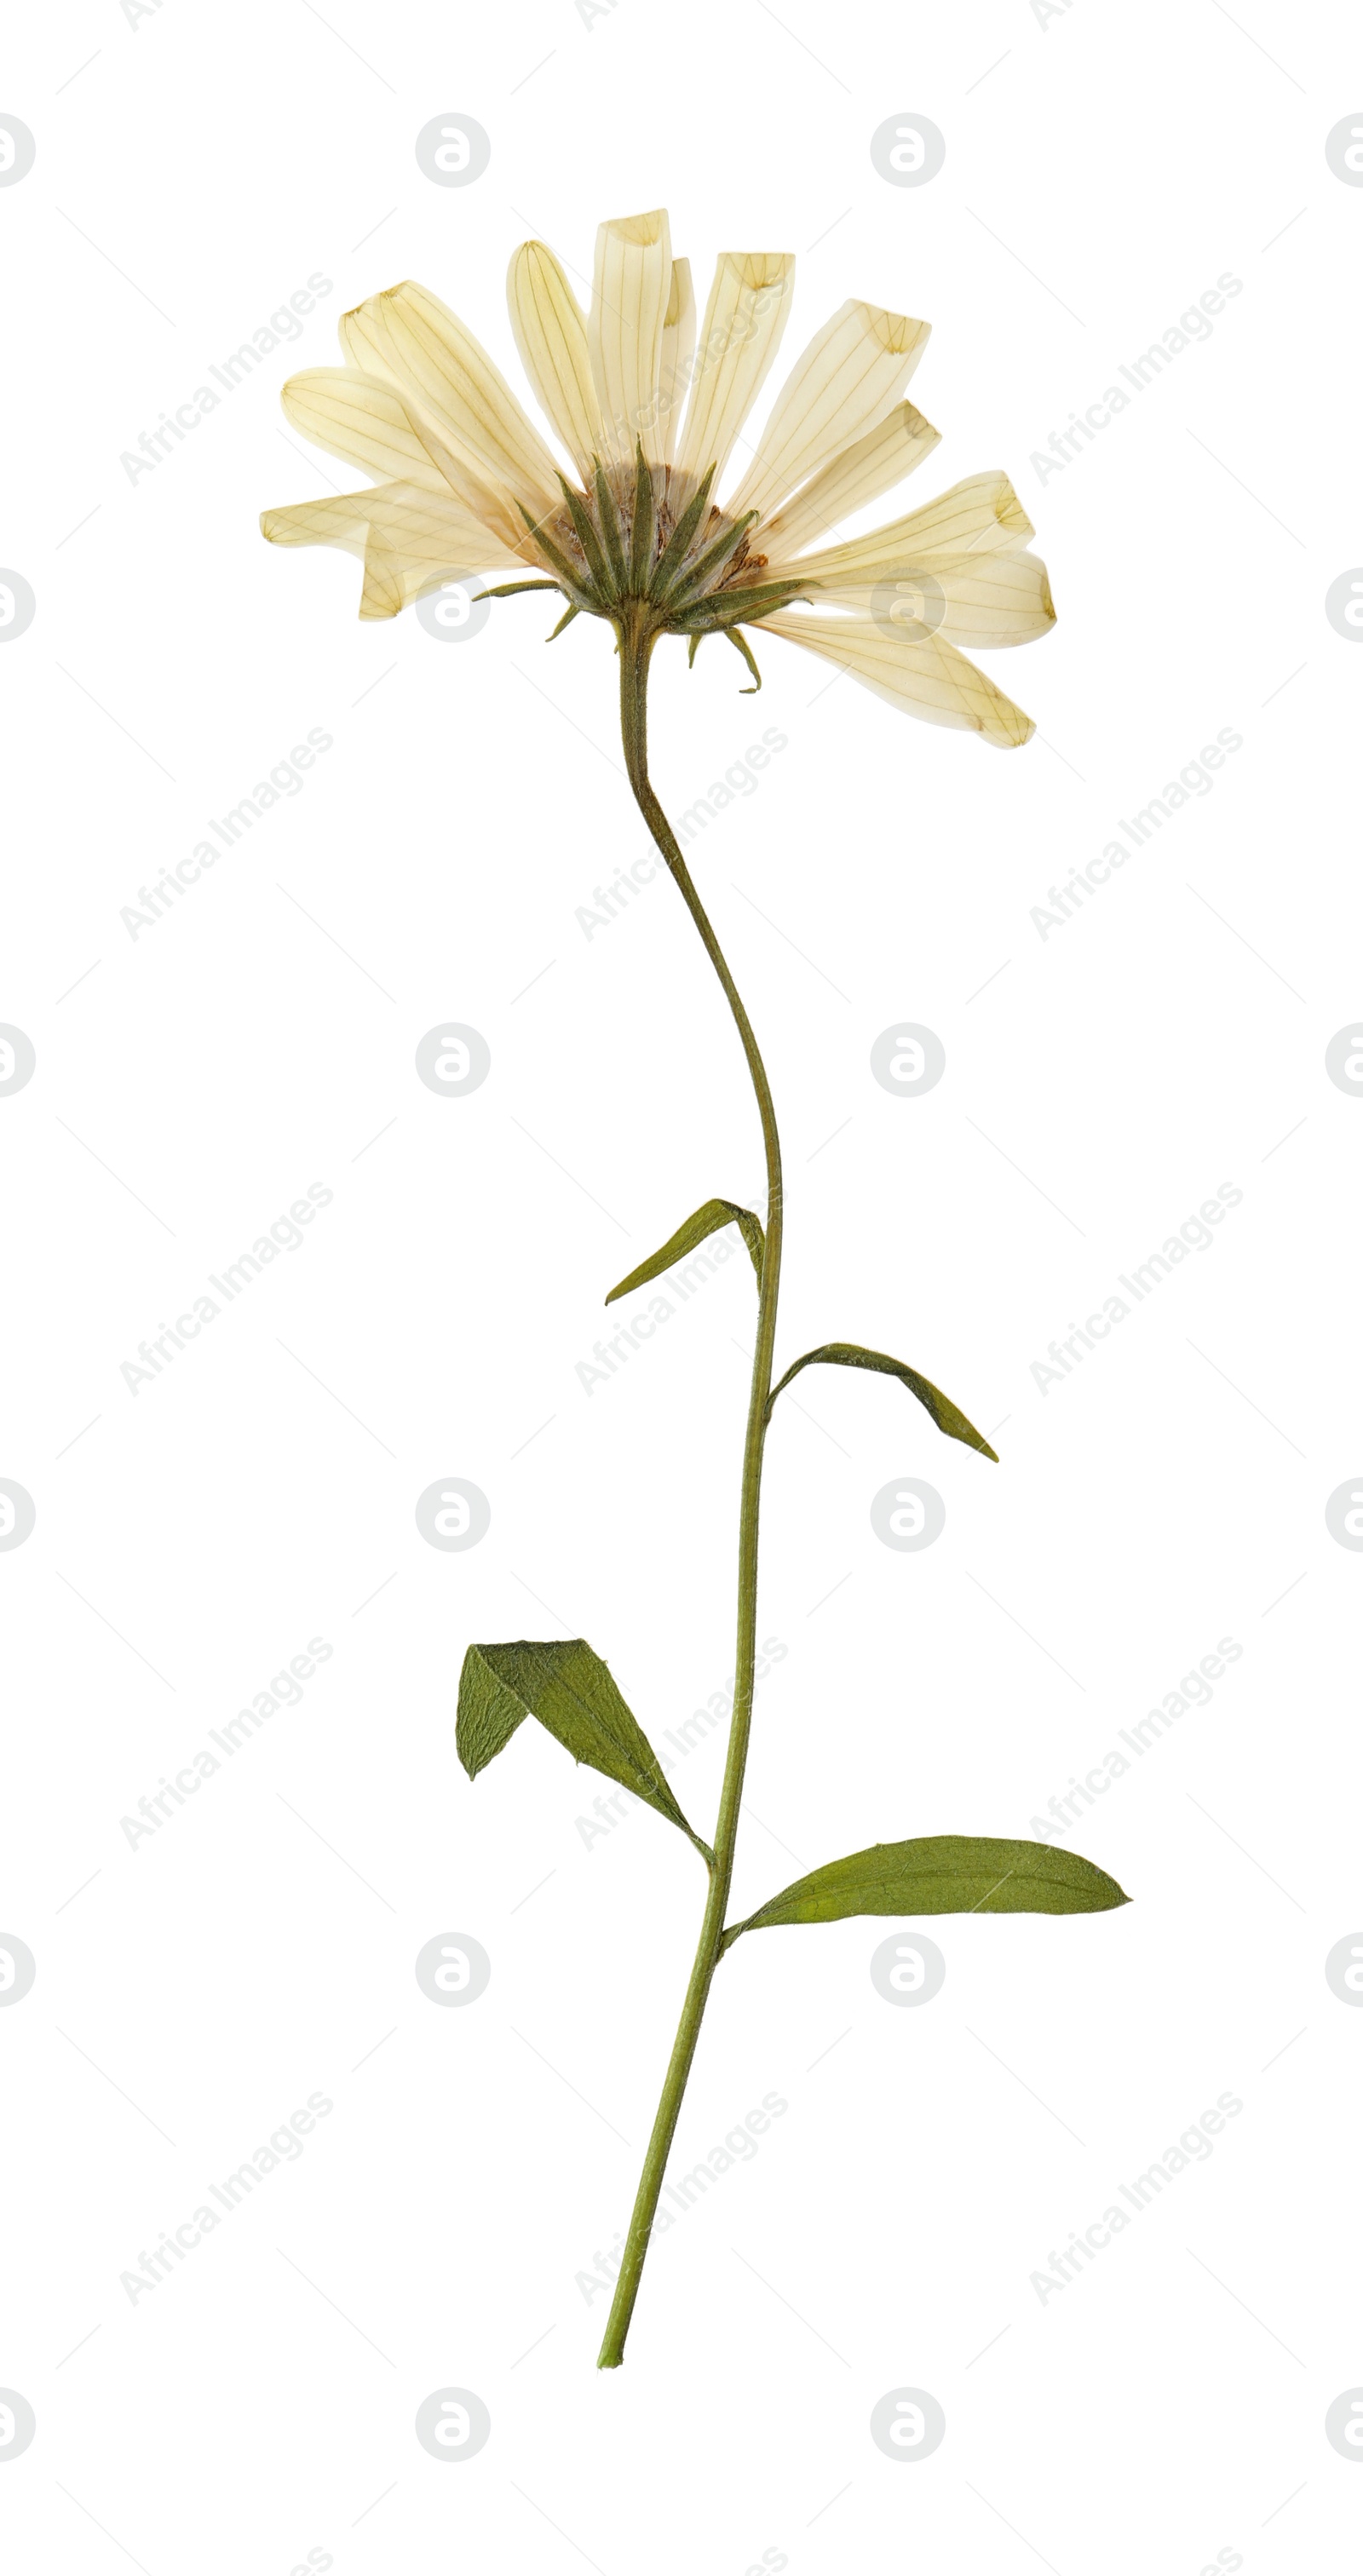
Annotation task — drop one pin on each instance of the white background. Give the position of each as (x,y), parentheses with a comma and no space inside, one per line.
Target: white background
(1102,171)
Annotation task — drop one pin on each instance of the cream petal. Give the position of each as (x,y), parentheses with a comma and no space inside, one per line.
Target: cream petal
(383,591)
(845,382)
(367,420)
(975,600)
(421,526)
(630,295)
(919,674)
(404,533)
(982,515)
(392,581)
(391,584)
(408,336)
(859,475)
(551,335)
(343,521)
(674,372)
(362,419)
(744,319)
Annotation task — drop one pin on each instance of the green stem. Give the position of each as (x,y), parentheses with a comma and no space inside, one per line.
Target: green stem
(637,637)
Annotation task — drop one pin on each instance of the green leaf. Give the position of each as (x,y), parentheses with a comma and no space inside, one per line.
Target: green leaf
(942,1874)
(947,1416)
(571,1692)
(707,1220)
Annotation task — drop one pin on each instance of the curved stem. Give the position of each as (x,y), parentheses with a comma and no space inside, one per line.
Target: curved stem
(636,644)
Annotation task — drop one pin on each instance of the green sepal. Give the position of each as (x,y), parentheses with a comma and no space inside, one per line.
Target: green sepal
(642,529)
(571,1692)
(721,608)
(586,537)
(680,538)
(741,645)
(942,1874)
(726,544)
(577,587)
(566,620)
(611,529)
(709,1219)
(947,1416)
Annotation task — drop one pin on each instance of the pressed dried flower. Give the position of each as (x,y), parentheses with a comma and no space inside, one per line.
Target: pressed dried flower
(652,418)
(648,535)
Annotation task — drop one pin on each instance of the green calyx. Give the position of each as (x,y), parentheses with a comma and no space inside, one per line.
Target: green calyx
(643,547)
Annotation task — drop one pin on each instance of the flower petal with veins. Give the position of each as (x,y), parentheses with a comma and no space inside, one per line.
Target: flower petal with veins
(744,320)
(551,335)
(631,289)
(858,474)
(977,600)
(405,535)
(982,515)
(465,482)
(918,673)
(408,336)
(679,342)
(845,382)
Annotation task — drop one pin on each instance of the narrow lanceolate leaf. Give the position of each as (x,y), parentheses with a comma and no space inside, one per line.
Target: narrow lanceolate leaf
(942,1874)
(947,1416)
(571,1692)
(709,1219)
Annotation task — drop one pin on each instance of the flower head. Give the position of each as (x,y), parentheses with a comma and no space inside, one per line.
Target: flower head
(647,532)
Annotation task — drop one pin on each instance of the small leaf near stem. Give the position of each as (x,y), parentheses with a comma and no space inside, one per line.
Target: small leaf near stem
(947,1416)
(707,1220)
